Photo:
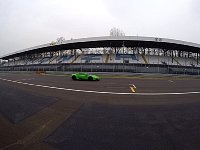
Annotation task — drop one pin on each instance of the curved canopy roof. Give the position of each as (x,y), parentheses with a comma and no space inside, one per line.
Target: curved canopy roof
(110,41)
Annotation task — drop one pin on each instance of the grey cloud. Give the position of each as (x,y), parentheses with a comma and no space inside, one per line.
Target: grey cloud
(28,23)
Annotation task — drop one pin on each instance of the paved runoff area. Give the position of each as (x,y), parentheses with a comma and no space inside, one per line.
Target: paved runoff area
(54,112)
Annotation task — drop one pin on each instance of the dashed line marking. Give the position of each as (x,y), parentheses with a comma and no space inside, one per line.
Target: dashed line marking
(98,92)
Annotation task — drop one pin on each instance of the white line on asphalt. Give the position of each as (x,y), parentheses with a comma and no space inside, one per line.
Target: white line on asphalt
(97,92)
(133,85)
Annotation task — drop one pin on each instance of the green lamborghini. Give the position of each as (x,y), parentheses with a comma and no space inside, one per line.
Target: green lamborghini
(85,76)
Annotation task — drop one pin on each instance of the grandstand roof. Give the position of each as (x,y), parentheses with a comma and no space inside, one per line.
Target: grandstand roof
(110,41)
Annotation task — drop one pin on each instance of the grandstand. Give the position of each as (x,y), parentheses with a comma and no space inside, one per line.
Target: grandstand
(124,53)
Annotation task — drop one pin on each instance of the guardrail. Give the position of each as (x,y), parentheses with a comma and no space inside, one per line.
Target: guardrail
(102,67)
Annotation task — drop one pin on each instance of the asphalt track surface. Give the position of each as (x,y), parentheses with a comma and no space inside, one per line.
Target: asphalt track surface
(55,112)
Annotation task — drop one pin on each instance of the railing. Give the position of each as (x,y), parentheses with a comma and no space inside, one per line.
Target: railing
(102,67)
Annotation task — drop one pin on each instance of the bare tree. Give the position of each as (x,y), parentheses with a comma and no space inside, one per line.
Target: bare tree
(53,43)
(60,40)
(116,32)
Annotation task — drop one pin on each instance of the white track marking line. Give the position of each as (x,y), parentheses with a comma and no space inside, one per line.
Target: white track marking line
(97,92)
(170,81)
(134,86)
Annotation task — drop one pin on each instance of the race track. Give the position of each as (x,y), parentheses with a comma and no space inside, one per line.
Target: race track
(55,112)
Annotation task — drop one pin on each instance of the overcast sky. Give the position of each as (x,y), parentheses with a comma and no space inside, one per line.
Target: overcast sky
(27,23)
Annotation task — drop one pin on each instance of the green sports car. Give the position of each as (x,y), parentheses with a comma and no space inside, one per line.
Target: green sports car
(85,76)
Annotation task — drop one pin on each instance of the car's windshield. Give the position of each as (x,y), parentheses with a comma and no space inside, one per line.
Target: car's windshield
(83,73)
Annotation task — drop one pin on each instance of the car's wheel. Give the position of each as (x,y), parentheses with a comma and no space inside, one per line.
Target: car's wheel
(74,77)
(90,78)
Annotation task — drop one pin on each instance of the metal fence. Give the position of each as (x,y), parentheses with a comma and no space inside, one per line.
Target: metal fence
(102,67)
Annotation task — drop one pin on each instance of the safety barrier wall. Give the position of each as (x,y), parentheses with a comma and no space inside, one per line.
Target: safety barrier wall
(102,67)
